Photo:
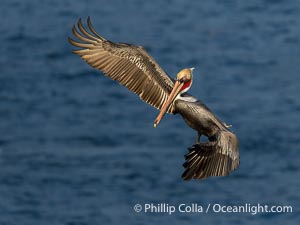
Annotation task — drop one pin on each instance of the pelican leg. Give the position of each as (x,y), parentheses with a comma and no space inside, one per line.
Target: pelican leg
(198,139)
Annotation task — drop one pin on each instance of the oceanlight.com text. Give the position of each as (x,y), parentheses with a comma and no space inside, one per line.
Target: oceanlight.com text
(211,208)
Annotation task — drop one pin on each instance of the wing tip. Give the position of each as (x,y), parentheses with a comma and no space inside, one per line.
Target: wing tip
(71,41)
(79,21)
(89,19)
(84,33)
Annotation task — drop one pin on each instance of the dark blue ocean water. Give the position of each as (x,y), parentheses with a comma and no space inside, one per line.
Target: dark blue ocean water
(77,148)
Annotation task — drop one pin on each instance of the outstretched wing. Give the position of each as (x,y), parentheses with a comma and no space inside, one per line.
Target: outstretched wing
(213,158)
(130,65)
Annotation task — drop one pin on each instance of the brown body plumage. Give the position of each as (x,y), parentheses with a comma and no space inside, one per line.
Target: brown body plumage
(134,68)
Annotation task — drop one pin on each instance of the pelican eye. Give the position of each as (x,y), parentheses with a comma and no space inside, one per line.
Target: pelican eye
(183,79)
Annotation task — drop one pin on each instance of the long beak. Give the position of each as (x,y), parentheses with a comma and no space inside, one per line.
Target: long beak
(176,89)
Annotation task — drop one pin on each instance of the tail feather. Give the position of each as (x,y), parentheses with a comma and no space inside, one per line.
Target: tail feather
(213,158)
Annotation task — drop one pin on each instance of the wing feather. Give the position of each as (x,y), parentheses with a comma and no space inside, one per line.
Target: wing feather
(130,65)
(213,158)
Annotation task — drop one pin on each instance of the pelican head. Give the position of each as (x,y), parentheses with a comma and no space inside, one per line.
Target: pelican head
(185,77)
(182,84)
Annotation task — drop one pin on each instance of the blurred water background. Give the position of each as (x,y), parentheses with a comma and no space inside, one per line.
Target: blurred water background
(77,148)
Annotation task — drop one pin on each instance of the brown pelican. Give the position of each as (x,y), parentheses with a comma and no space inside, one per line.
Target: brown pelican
(134,68)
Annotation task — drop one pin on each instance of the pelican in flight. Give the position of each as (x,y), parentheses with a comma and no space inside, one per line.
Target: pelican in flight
(134,68)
